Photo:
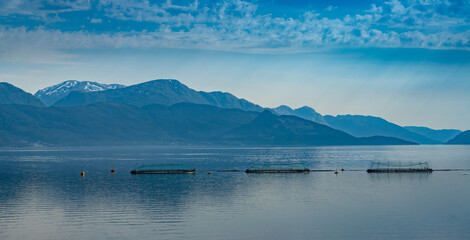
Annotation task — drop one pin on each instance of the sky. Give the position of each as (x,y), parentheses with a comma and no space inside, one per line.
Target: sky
(407,61)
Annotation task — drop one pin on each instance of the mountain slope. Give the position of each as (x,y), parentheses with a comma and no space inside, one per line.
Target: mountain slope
(106,123)
(462,138)
(164,92)
(52,94)
(10,94)
(227,100)
(184,123)
(367,126)
(441,136)
(304,112)
(117,124)
(197,122)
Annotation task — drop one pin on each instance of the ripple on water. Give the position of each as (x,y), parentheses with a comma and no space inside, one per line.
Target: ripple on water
(42,195)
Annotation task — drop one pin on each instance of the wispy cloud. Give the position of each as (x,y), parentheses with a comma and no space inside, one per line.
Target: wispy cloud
(237,25)
(46,10)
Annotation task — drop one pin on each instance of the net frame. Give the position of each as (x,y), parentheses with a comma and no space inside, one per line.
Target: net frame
(399,166)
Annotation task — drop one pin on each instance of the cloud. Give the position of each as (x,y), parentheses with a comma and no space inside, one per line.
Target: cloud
(397,7)
(331,8)
(96,20)
(236,25)
(46,10)
(375,9)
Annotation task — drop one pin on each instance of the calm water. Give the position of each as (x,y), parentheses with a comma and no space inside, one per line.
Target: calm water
(42,195)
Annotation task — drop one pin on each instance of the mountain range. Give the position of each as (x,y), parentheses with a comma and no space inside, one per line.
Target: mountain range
(369,126)
(165,92)
(168,92)
(292,130)
(110,123)
(366,126)
(269,128)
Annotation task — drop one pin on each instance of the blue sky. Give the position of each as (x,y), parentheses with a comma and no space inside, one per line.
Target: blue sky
(407,61)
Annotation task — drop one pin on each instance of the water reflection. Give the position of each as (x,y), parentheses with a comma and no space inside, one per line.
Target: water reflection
(411,178)
(42,196)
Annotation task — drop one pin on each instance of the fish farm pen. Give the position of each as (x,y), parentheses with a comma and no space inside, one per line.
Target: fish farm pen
(163,169)
(278,168)
(398,167)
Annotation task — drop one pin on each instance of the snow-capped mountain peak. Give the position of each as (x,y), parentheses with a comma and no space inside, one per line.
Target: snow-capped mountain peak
(52,94)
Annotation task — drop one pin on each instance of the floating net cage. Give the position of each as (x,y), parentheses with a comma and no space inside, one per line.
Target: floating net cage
(278,168)
(397,166)
(163,168)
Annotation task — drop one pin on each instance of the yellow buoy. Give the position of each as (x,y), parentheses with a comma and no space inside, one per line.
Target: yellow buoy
(82,174)
(112,170)
(336,172)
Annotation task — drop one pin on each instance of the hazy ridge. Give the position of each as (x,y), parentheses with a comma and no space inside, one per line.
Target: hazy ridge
(166,111)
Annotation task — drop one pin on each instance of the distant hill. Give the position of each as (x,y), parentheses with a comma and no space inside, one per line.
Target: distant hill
(164,92)
(184,123)
(10,94)
(367,126)
(305,112)
(52,94)
(441,136)
(269,129)
(462,138)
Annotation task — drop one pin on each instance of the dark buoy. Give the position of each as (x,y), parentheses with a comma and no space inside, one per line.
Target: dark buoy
(336,172)
(209,173)
(112,170)
(342,169)
(82,174)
